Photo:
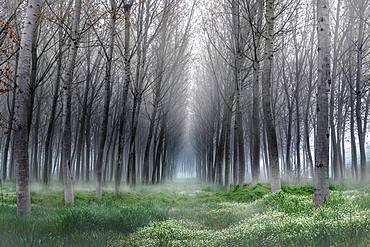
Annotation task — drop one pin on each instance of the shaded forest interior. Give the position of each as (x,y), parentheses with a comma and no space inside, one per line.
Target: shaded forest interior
(137,93)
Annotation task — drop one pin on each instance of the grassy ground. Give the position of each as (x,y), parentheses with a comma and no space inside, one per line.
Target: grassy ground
(186,213)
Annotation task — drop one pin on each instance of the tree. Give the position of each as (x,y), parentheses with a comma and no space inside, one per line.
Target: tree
(321,174)
(267,98)
(127,63)
(22,107)
(66,160)
(108,80)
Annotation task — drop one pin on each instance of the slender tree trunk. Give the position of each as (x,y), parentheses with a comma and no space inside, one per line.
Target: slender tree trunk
(161,147)
(108,81)
(151,130)
(9,128)
(321,175)
(36,143)
(289,143)
(155,141)
(255,128)
(66,160)
(87,139)
(119,166)
(359,92)
(50,129)
(267,98)
(227,146)
(335,136)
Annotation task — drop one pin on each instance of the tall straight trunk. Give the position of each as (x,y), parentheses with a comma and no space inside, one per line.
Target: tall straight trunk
(50,129)
(339,129)
(255,128)
(220,155)
(33,80)
(66,161)
(165,163)
(354,169)
(309,97)
(218,134)
(235,153)
(321,175)
(267,98)
(87,140)
(155,141)
(265,153)
(153,116)
(298,69)
(343,146)
(210,148)
(335,136)
(22,107)
(113,155)
(227,146)
(298,130)
(107,97)
(82,133)
(221,145)
(239,161)
(131,172)
(240,134)
(35,138)
(289,143)
(161,147)
(288,163)
(127,59)
(359,92)
(142,50)
(9,128)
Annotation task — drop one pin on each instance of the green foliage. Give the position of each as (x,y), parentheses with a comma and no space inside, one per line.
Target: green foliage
(247,193)
(291,222)
(179,214)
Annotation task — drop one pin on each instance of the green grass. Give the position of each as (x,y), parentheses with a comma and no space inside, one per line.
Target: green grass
(186,213)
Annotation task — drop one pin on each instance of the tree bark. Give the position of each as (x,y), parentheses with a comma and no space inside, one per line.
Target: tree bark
(50,129)
(321,176)
(360,93)
(22,107)
(108,81)
(127,58)
(66,161)
(267,98)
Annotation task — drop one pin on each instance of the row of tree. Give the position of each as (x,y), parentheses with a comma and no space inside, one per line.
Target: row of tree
(276,79)
(92,90)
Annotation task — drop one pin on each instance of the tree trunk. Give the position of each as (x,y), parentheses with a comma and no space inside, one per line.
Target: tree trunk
(50,130)
(35,138)
(321,175)
(255,128)
(9,128)
(22,108)
(267,98)
(119,166)
(108,81)
(335,136)
(66,161)
(360,93)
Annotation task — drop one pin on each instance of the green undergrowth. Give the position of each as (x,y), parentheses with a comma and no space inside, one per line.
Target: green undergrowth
(187,213)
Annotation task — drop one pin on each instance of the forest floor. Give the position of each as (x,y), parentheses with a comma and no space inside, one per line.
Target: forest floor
(186,213)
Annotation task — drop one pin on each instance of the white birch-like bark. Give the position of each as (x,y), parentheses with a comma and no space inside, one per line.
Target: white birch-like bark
(321,174)
(22,107)
(266,98)
(66,161)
